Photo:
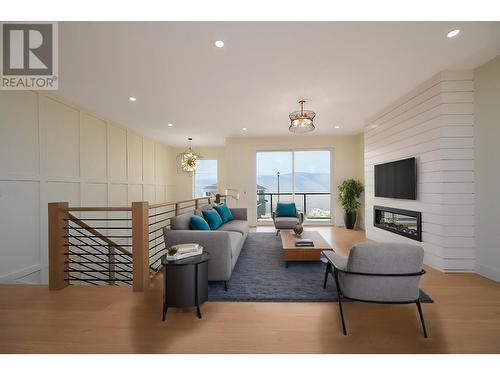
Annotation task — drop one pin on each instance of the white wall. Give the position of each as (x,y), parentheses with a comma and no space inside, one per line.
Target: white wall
(433,123)
(51,150)
(487,173)
(240,164)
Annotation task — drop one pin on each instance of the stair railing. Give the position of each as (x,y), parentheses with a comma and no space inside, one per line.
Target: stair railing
(110,245)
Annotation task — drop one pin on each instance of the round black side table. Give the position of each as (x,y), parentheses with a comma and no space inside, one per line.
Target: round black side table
(185,282)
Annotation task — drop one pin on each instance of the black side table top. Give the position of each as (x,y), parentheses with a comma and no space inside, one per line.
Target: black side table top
(197,259)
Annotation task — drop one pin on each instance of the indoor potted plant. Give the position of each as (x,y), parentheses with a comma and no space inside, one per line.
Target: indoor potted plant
(349,192)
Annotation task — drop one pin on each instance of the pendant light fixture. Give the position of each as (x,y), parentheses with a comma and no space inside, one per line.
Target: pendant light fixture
(188,159)
(302,121)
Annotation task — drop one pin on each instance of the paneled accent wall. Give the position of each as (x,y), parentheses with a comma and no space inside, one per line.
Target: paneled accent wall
(51,150)
(433,123)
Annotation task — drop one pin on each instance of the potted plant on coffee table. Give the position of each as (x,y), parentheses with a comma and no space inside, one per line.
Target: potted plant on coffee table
(349,192)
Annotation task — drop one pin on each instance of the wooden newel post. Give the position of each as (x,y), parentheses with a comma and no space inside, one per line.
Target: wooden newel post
(140,245)
(58,241)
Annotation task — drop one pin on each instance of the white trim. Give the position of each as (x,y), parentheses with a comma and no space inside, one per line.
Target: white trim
(489,272)
(20,273)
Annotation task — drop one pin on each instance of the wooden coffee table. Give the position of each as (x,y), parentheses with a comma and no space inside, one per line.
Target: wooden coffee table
(292,253)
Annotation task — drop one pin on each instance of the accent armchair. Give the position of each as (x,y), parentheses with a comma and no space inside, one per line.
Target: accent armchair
(387,273)
(286,216)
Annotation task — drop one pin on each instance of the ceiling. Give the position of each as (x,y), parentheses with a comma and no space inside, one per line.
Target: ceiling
(346,71)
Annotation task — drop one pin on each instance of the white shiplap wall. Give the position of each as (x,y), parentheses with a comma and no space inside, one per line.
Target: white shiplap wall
(52,150)
(433,123)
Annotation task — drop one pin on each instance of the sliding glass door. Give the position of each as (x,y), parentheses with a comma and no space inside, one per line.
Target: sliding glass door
(300,176)
(312,184)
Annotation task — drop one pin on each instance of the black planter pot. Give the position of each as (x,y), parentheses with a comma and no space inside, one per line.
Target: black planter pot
(350,219)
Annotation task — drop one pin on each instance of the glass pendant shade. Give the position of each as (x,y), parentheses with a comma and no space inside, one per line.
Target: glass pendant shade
(302,121)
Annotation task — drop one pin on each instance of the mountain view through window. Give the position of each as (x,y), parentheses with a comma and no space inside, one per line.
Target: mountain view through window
(304,177)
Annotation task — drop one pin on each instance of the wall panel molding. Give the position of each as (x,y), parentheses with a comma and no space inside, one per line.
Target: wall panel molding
(66,153)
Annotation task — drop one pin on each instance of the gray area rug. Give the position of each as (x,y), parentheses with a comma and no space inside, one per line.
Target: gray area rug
(260,275)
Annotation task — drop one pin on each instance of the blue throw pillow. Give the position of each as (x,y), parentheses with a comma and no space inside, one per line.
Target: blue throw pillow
(224,212)
(286,209)
(198,223)
(213,219)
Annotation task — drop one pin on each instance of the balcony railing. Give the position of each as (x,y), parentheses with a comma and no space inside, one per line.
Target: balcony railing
(314,205)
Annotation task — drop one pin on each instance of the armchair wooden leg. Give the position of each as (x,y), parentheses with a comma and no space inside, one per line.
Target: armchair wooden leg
(277,231)
(421,317)
(225,286)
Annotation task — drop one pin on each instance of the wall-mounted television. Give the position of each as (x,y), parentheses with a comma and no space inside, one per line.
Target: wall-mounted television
(397,179)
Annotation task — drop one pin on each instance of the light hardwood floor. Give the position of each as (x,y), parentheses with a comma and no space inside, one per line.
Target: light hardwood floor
(465,318)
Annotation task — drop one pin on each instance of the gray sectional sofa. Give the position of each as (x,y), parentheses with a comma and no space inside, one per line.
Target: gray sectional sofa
(223,244)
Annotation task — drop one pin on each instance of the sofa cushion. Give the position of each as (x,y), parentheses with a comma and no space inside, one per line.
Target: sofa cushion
(180,222)
(240,226)
(224,212)
(213,218)
(286,209)
(198,223)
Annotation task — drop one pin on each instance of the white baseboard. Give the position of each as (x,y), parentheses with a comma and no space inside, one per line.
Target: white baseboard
(19,274)
(488,272)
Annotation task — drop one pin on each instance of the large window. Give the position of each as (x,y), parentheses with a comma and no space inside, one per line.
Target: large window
(299,176)
(205,178)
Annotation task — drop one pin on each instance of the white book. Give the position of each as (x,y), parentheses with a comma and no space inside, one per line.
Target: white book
(187,248)
(179,256)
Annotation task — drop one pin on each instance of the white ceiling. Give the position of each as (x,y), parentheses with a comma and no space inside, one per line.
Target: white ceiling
(346,70)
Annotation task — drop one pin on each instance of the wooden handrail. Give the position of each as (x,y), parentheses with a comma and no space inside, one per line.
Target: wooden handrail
(99,209)
(95,232)
(158,205)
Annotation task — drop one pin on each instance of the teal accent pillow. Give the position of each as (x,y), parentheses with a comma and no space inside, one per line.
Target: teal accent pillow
(286,209)
(198,223)
(224,212)
(213,218)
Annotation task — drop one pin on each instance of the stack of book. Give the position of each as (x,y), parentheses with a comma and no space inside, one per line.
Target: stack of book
(186,250)
(304,242)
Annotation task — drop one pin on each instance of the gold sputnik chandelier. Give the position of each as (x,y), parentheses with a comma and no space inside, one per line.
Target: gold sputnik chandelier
(188,159)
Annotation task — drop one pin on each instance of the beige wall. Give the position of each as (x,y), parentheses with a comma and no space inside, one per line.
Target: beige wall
(52,150)
(487,171)
(240,164)
(434,124)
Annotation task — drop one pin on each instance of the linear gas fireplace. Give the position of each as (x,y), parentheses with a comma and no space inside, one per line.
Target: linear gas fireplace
(403,222)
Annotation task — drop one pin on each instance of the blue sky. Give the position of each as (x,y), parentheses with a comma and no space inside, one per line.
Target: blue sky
(268,163)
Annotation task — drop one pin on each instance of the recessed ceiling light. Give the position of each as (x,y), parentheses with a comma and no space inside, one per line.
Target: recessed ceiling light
(219,43)
(453,33)
(170,125)
(132,98)
(244,129)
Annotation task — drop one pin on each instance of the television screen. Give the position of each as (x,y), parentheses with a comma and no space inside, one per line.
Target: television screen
(397,179)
